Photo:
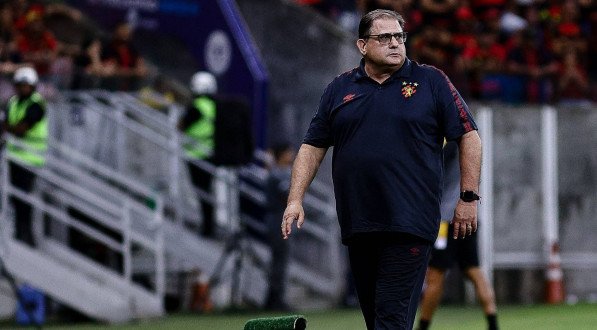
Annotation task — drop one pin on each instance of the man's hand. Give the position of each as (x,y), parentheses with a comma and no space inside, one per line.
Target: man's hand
(465,219)
(294,211)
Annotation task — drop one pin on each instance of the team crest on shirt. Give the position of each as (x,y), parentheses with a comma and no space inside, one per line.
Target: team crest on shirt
(409,88)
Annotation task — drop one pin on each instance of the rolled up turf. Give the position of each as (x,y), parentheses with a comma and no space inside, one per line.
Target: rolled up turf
(290,322)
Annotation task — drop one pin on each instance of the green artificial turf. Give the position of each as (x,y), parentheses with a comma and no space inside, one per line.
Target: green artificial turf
(544,317)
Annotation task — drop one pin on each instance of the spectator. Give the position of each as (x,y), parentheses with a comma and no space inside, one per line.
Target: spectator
(568,33)
(438,12)
(532,66)
(7,29)
(37,44)
(572,83)
(511,20)
(434,46)
(24,9)
(482,7)
(534,23)
(88,66)
(121,58)
(277,192)
(483,61)
(10,58)
(25,118)
(464,29)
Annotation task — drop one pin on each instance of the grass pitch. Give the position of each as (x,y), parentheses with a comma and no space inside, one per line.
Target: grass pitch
(560,317)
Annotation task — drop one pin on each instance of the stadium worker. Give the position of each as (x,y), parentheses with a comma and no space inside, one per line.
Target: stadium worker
(219,132)
(25,118)
(387,120)
(446,252)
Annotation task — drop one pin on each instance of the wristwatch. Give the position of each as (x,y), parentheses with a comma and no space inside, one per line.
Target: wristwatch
(469,196)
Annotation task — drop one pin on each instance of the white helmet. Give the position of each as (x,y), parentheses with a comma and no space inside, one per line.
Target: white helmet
(25,75)
(204,82)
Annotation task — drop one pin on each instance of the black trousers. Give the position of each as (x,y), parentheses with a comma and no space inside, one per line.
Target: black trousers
(23,179)
(389,270)
(202,180)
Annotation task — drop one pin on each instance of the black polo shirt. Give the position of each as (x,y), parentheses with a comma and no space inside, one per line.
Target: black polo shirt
(387,139)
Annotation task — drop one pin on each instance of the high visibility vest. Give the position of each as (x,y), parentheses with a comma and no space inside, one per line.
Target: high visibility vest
(36,138)
(202,131)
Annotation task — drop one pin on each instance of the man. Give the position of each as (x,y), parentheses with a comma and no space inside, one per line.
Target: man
(25,118)
(447,251)
(220,132)
(387,120)
(121,61)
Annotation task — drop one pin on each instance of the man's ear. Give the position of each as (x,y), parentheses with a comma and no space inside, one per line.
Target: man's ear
(362,46)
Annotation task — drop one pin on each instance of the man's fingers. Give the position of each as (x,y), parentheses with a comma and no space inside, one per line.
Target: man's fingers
(456,230)
(300,221)
(287,224)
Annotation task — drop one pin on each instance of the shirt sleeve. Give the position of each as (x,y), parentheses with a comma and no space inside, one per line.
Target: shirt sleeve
(34,114)
(319,132)
(454,112)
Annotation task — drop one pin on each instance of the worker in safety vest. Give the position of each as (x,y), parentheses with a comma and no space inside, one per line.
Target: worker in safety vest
(198,123)
(219,128)
(25,118)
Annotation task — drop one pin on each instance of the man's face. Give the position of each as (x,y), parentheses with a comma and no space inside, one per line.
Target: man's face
(23,90)
(379,54)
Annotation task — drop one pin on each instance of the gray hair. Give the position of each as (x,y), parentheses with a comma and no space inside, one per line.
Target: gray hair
(368,19)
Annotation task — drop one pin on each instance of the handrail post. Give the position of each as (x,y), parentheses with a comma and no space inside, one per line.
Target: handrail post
(160,260)
(175,163)
(5,181)
(126,241)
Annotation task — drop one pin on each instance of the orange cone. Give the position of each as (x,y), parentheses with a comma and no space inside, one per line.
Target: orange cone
(200,300)
(554,291)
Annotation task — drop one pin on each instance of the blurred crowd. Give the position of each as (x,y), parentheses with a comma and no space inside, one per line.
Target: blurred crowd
(80,57)
(512,51)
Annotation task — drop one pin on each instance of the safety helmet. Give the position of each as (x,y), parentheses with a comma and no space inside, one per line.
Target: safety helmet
(204,82)
(26,75)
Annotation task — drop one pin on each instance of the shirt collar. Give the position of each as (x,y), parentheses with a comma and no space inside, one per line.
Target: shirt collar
(404,71)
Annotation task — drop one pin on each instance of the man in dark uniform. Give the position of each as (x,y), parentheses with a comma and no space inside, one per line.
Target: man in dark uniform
(446,252)
(387,120)
(25,118)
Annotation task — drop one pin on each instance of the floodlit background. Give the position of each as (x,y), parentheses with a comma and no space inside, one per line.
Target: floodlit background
(118,224)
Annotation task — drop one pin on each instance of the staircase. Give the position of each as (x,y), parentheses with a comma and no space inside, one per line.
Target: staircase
(126,191)
(62,271)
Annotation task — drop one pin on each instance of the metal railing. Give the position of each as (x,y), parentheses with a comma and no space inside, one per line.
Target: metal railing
(159,164)
(121,223)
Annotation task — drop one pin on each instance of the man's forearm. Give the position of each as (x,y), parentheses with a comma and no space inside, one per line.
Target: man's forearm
(470,161)
(304,169)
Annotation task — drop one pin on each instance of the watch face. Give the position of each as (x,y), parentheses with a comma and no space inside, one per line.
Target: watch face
(469,196)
